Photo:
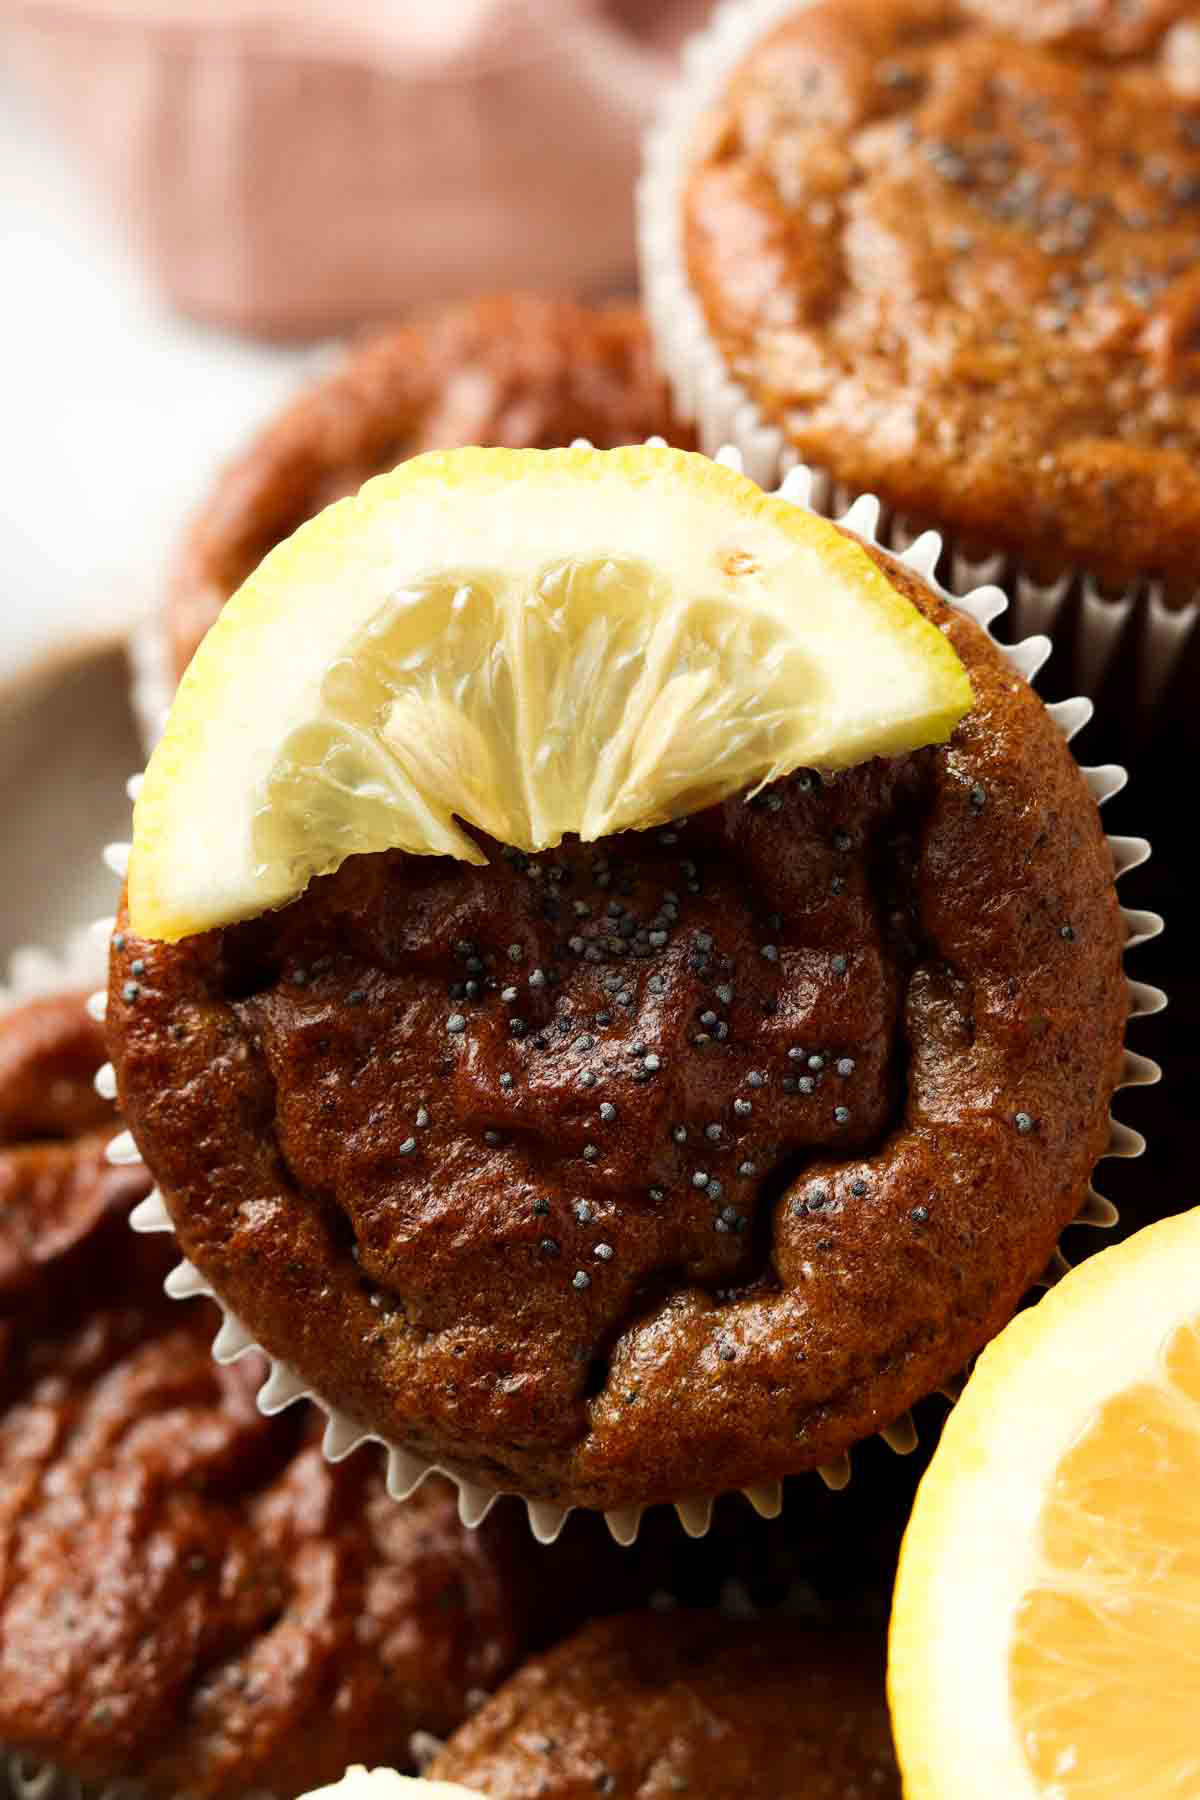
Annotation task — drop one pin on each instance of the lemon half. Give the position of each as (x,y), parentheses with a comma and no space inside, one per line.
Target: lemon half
(1046,1625)
(528,642)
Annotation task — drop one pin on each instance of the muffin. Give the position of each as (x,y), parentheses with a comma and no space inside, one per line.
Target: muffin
(508,369)
(635,1171)
(945,251)
(652,1705)
(192,1597)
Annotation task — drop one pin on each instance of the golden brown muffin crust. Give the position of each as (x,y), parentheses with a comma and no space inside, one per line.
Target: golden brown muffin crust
(650,1168)
(508,369)
(190,1596)
(651,1706)
(960,269)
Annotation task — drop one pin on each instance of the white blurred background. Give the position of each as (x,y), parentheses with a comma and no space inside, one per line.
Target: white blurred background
(115,409)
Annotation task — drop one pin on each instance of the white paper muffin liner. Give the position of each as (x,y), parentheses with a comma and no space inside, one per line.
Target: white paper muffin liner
(406,1471)
(1138,624)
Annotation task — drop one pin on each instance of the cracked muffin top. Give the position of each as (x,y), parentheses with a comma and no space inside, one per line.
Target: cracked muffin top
(190,1596)
(650,1706)
(952,248)
(509,369)
(633,1171)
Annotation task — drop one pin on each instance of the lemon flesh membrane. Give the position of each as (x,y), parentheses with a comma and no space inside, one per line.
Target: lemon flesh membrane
(532,643)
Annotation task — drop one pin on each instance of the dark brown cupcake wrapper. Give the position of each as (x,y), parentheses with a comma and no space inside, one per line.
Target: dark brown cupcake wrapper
(405,1472)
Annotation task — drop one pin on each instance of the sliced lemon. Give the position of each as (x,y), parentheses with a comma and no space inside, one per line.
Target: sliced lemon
(1046,1626)
(529,642)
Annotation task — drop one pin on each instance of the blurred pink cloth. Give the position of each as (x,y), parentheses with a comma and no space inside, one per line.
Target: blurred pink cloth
(291,167)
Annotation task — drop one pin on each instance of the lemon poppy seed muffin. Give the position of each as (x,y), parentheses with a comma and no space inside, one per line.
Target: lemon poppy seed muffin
(649,1706)
(951,248)
(507,369)
(191,1597)
(641,1169)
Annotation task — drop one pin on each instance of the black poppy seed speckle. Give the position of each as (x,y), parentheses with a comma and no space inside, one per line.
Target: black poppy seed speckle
(550,1247)
(845,1066)
(130,992)
(919,1215)
(604,1252)
(747,1168)
(456,1024)
(1023,1123)
(410,1144)
(743,1108)
(581,1279)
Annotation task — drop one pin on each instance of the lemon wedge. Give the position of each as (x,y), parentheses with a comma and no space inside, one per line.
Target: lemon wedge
(527,642)
(1046,1626)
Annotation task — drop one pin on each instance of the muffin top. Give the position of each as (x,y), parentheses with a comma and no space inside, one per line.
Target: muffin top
(638,1170)
(508,369)
(190,1596)
(650,1706)
(952,248)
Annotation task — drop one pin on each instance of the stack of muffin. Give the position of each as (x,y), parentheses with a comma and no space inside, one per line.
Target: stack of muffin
(838,1065)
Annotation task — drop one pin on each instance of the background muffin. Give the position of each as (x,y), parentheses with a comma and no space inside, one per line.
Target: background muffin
(190,1595)
(507,369)
(945,252)
(648,1706)
(972,289)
